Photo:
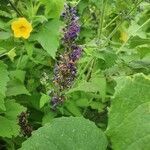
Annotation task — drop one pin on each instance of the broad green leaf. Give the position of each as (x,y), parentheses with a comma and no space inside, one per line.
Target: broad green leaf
(129,114)
(9,122)
(73,133)
(48,37)
(3,83)
(53,8)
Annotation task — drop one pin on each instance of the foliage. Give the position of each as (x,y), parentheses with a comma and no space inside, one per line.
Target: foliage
(78,132)
(109,60)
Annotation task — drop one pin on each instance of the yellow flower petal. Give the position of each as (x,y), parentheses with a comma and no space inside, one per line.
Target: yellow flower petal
(26,35)
(17,34)
(21,28)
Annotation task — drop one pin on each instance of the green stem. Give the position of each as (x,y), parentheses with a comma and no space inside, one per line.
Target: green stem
(3,55)
(111,22)
(101,19)
(77,3)
(90,69)
(80,75)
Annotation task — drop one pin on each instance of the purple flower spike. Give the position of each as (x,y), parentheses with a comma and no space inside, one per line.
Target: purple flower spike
(76,52)
(65,69)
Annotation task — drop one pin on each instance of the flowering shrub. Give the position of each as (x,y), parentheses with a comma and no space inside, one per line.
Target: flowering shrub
(74,74)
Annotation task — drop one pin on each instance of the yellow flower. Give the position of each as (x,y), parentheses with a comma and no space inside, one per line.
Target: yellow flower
(123,36)
(21,28)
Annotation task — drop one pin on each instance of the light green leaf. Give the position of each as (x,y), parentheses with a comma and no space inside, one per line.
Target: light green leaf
(44,99)
(3,83)
(129,114)
(9,123)
(53,8)
(48,37)
(73,133)
(71,106)
(82,102)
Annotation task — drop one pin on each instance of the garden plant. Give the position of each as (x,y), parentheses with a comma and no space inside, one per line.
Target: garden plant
(75,74)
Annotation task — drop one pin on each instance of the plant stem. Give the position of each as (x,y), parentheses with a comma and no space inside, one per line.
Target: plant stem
(84,69)
(111,22)
(90,70)
(101,19)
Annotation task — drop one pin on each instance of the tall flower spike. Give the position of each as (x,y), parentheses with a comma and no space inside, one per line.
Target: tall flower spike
(65,69)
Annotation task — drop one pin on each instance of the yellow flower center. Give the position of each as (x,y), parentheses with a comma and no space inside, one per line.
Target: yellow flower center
(22,29)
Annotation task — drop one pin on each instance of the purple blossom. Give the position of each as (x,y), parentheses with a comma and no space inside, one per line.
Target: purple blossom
(72,31)
(56,100)
(76,52)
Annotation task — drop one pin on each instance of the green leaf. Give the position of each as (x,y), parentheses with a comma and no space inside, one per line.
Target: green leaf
(48,117)
(3,83)
(137,41)
(85,87)
(100,80)
(48,37)
(73,133)
(129,114)
(4,35)
(71,106)
(16,87)
(18,74)
(16,84)
(9,123)
(44,99)
(97,105)
(53,8)
(110,58)
(11,54)
(82,102)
